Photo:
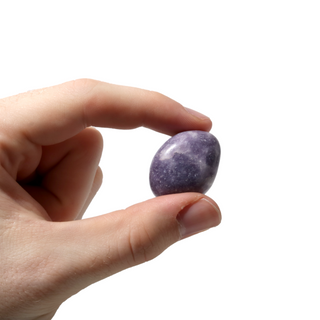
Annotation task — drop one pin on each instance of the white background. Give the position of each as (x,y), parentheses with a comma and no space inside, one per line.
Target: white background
(253,67)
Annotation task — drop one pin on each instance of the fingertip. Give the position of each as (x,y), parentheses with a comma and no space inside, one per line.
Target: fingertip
(199,216)
(199,116)
(196,114)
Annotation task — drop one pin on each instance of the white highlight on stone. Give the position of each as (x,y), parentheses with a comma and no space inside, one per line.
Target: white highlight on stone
(181,146)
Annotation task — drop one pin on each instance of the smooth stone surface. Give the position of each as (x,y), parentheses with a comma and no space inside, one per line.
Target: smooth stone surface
(187,162)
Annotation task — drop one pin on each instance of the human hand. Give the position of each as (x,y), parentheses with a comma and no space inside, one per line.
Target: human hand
(49,173)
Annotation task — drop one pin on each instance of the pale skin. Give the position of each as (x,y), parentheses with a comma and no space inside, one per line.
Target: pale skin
(49,174)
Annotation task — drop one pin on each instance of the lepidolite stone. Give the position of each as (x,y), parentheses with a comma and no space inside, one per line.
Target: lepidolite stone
(187,162)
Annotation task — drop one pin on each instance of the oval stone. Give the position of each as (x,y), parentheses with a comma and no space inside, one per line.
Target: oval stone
(187,162)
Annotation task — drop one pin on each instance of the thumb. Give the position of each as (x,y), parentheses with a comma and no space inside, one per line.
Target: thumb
(95,248)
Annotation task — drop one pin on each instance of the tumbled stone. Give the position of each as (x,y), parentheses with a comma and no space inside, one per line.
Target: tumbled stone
(187,162)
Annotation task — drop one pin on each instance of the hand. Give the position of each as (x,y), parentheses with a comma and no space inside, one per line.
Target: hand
(49,174)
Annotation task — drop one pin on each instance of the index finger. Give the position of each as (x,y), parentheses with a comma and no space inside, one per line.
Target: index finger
(54,114)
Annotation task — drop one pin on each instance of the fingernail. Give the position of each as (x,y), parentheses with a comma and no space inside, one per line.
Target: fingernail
(196,114)
(198,217)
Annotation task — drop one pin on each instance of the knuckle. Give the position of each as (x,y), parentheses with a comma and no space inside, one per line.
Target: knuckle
(82,83)
(142,245)
(82,86)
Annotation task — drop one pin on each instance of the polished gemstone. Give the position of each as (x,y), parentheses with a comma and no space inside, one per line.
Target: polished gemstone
(187,162)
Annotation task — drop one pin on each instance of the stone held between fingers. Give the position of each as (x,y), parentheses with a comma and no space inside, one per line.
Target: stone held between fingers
(187,162)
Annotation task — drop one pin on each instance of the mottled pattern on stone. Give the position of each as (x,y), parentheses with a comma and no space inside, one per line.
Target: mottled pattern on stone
(187,162)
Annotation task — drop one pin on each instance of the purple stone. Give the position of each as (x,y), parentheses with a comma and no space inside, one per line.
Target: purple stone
(187,162)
